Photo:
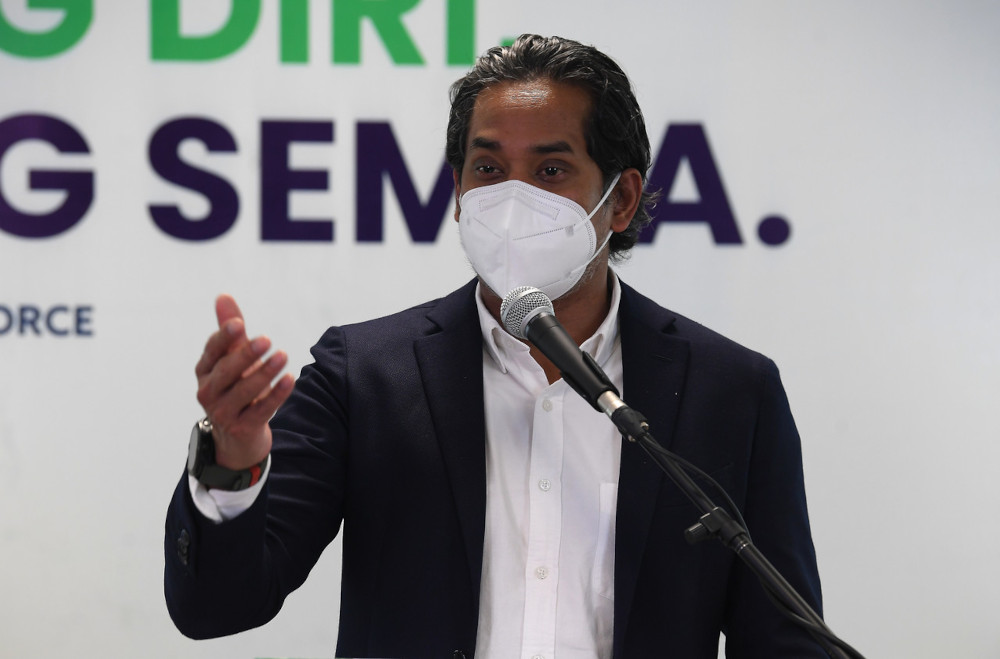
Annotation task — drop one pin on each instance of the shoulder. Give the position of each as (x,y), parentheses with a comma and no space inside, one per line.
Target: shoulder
(646,322)
(384,334)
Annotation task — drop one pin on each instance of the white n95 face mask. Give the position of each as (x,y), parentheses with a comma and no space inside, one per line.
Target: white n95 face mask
(515,234)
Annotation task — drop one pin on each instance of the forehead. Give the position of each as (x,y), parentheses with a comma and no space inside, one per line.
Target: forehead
(533,110)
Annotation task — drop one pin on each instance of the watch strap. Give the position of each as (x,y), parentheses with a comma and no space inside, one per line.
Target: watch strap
(214,476)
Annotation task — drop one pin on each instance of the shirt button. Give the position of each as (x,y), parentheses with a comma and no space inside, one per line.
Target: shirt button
(547,405)
(541,572)
(545,485)
(538,656)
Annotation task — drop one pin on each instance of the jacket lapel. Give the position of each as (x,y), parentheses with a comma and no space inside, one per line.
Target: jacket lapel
(654,364)
(450,359)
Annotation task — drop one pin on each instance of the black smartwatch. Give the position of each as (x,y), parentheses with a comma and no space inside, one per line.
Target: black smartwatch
(201,463)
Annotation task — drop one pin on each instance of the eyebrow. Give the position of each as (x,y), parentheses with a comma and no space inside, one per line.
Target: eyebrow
(559,146)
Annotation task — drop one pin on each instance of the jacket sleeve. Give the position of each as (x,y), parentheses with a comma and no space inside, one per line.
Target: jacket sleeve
(223,578)
(775,512)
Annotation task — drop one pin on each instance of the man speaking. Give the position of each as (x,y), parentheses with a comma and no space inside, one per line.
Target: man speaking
(487,509)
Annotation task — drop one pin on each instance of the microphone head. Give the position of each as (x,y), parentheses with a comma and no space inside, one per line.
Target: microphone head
(520,306)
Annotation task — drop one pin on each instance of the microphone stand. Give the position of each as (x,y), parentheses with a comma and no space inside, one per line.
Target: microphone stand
(715,522)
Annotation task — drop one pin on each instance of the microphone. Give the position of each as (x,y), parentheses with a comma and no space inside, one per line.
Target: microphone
(527,313)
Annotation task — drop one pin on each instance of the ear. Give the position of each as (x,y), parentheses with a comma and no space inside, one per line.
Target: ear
(455,176)
(627,195)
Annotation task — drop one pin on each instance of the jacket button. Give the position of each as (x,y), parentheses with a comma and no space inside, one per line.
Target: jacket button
(183,542)
(457,654)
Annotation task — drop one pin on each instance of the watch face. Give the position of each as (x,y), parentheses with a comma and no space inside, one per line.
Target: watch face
(199,451)
(193,451)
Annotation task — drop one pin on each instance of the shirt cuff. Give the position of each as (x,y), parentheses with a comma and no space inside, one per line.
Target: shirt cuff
(223,505)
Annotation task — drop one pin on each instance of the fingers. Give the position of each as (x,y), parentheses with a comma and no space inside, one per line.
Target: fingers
(234,384)
(249,385)
(259,412)
(250,400)
(237,375)
(230,336)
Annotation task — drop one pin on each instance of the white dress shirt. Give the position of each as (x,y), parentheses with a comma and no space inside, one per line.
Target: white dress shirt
(552,464)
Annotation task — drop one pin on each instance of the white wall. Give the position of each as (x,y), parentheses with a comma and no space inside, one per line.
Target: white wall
(870,126)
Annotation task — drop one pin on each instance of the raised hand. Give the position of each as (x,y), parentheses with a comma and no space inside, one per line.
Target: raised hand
(235,388)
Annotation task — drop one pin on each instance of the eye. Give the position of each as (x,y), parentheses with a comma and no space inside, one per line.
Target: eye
(486,169)
(554,172)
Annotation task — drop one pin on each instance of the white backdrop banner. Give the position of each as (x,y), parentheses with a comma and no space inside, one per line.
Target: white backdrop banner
(831,179)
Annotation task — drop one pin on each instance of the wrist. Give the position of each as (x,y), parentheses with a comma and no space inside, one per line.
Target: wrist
(204,467)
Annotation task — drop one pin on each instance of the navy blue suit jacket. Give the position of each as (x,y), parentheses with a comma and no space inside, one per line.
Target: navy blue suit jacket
(385,433)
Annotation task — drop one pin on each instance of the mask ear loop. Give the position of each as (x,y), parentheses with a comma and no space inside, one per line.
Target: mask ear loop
(607,238)
(607,193)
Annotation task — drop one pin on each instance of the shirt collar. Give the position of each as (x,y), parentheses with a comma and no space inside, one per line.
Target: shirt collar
(503,347)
